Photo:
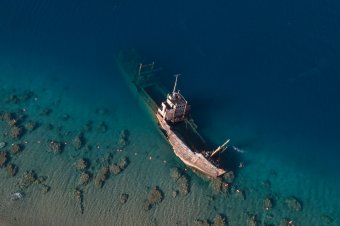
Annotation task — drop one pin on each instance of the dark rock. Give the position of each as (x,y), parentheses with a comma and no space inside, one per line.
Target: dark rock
(293,204)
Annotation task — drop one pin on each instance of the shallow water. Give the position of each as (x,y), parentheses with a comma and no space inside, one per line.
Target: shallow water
(270,70)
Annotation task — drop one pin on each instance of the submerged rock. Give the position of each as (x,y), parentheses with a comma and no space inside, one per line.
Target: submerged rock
(78,195)
(175,174)
(219,220)
(55,147)
(199,222)
(123,139)
(16,132)
(2,144)
(155,197)
(124,198)
(3,158)
(84,178)
(115,169)
(45,112)
(81,164)
(12,169)
(229,177)
(251,220)
(102,127)
(78,142)
(267,203)
(16,148)
(293,204)
(45,188)
(31,125)
(219,186)
(120,166)
(27,179)
(17,196)
(286,222)
(327,220)
(101,176)
(183,183)
(240,194)
(181,179)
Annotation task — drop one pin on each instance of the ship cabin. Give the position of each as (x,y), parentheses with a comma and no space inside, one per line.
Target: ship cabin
(175,108)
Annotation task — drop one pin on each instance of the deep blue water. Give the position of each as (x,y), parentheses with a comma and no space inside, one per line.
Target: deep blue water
(272,67)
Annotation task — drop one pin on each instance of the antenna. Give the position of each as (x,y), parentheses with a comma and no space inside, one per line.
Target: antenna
(174,90)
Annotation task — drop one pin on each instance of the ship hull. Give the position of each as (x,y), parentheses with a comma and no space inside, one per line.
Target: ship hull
(183,139)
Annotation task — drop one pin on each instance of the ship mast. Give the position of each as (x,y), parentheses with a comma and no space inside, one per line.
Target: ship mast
(220,148)
(174,90)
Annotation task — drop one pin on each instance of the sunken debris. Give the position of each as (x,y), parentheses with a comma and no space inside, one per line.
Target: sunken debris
(293,204)
(155,197)
(101,176)
(11,169)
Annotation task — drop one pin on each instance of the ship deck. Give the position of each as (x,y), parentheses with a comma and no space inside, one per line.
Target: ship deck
(190,158)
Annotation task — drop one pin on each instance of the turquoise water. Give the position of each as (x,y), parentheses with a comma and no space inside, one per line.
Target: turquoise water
(263,74)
